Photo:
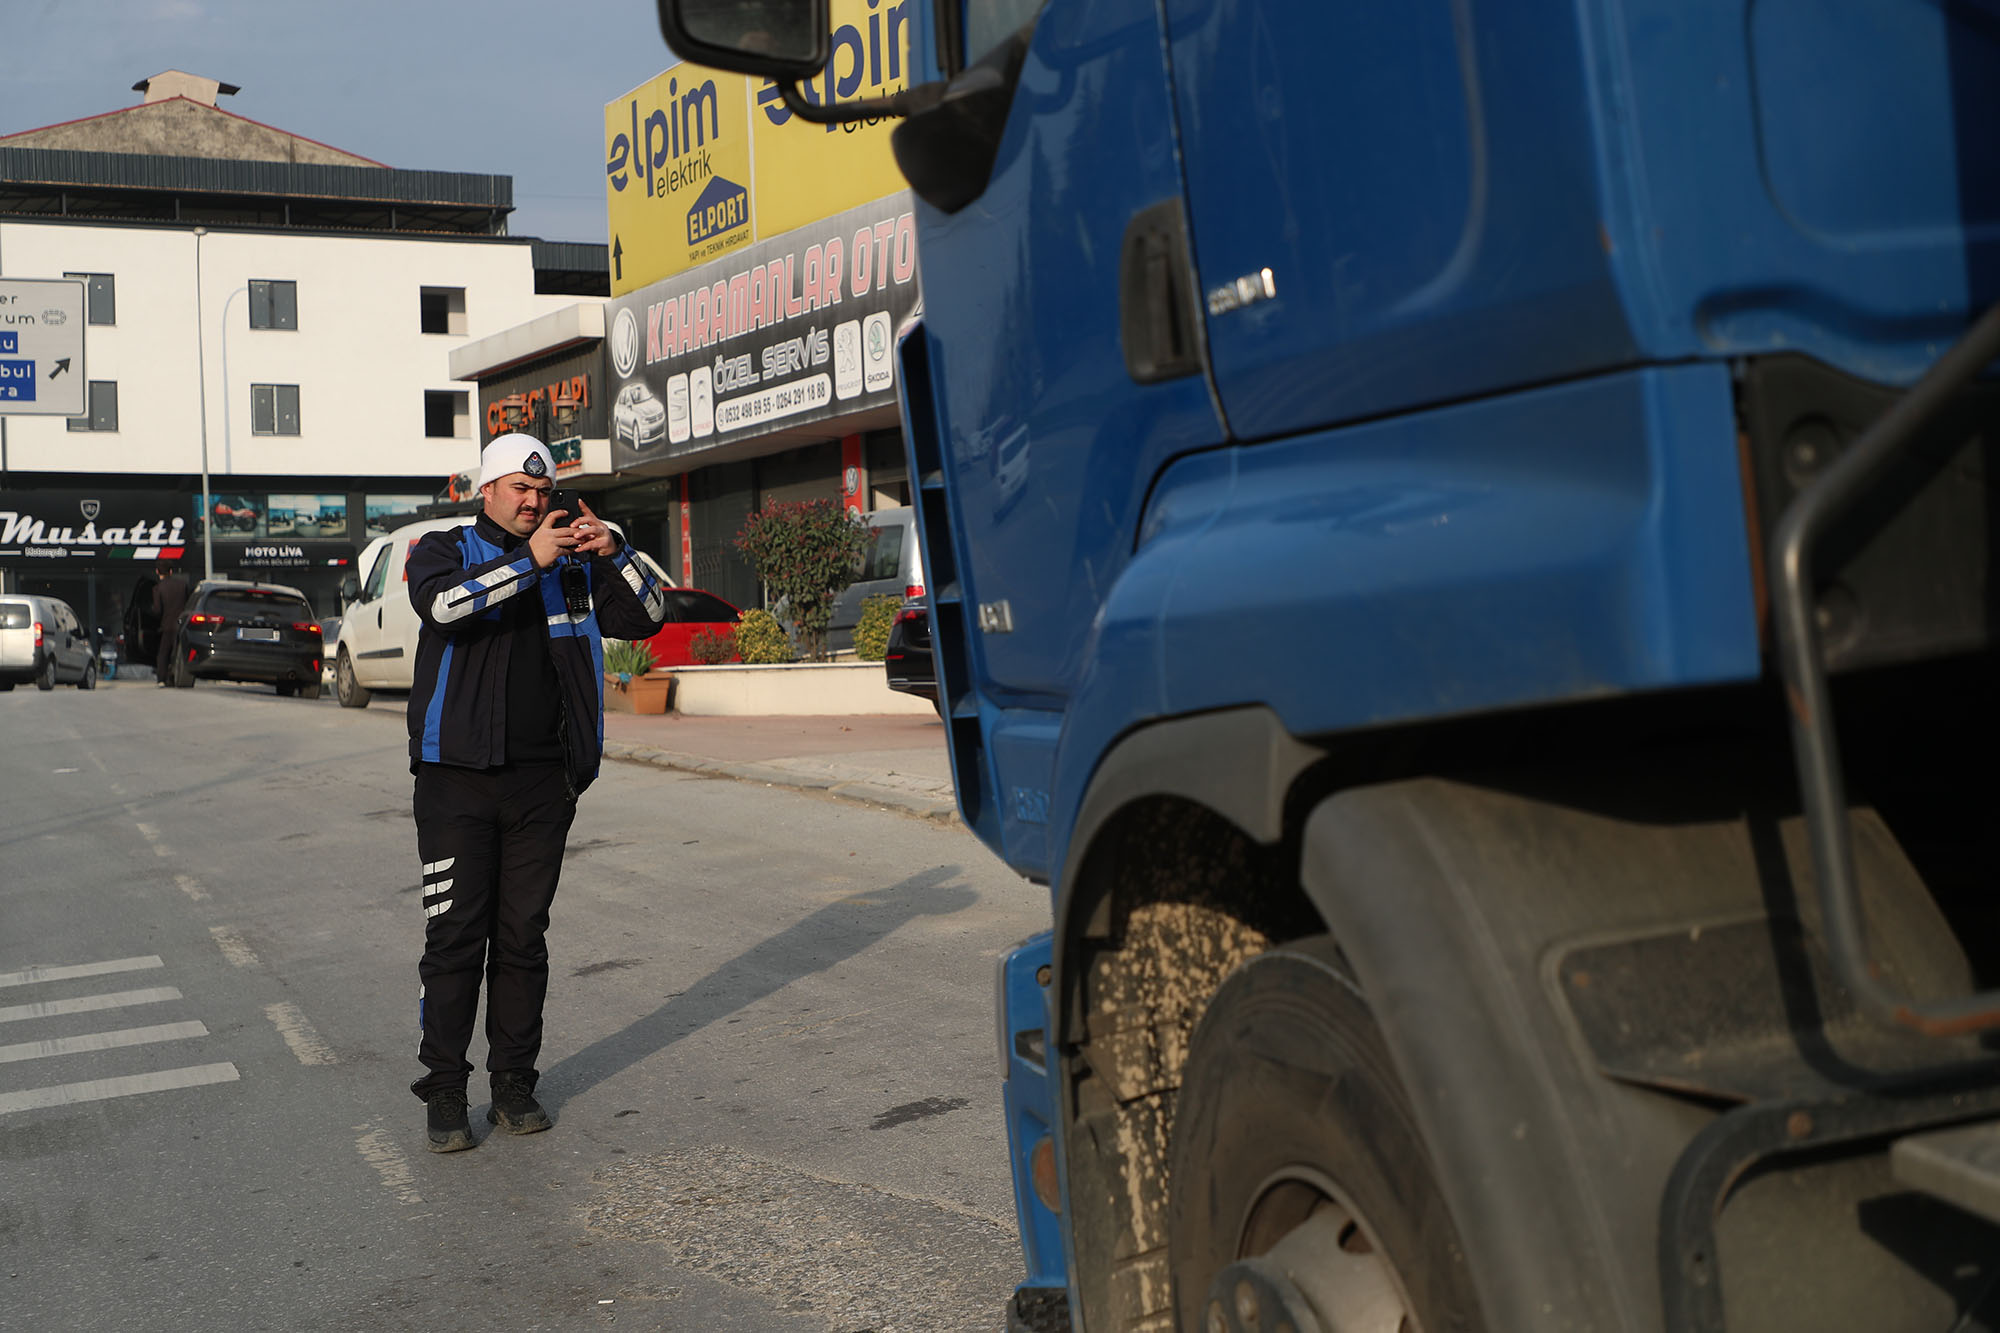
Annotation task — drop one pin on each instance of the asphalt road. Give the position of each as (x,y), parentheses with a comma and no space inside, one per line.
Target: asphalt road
(769,1054)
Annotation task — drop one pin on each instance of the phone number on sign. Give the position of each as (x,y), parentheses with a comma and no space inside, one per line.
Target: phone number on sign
(781,400)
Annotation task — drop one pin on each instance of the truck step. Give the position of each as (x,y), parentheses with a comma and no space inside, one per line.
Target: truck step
(1959,1165)
(1038,1310)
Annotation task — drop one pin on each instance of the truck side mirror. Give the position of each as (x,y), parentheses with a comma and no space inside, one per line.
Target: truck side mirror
(785,40)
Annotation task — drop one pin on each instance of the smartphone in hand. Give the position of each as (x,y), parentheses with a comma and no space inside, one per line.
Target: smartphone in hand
(568,502)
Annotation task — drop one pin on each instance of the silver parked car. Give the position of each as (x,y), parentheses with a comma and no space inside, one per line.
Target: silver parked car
(42,641)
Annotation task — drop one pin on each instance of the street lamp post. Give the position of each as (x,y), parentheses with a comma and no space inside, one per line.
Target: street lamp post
(201,381)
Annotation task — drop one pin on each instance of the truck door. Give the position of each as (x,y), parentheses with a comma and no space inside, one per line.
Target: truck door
(1392,205)
(1049,439)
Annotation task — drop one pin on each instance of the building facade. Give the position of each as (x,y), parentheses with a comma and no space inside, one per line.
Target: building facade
(281,325)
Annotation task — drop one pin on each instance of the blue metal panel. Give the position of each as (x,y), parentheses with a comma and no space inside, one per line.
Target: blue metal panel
(1420,179)
(1564,543)
(1048,446)
(1811,175)
(1029,1097)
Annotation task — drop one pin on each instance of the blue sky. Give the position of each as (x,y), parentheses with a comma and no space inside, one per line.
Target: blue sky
(511,87)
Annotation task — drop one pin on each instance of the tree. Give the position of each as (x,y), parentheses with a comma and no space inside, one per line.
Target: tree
(806,553)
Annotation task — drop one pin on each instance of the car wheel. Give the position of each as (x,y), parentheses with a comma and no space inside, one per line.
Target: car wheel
(1301,1186)
(183,674)
(309,690)
(47,680)
(89,681)
(345,687)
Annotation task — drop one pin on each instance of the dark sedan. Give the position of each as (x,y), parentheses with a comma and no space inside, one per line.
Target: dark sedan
(250,631)
(908,659)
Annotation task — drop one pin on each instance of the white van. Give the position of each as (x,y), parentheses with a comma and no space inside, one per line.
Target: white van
(377,647)
(41,641)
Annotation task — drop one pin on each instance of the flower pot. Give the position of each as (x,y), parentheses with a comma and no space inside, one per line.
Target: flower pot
(647,694)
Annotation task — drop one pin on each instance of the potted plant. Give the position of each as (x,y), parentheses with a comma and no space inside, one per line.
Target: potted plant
(630,683)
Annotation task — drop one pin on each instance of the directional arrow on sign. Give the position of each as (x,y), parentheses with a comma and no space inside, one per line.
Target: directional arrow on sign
(60,367)
(617,258)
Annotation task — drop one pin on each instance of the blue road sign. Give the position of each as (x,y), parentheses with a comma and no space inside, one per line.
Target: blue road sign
(10,343)
(17,381)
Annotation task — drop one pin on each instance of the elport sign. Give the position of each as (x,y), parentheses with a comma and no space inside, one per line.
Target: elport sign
(41,347)
(699,163)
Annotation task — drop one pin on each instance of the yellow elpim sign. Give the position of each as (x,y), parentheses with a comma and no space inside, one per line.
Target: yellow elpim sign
(677,174)
(698,163)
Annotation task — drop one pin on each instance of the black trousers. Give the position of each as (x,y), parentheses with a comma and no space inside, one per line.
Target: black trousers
(491,841)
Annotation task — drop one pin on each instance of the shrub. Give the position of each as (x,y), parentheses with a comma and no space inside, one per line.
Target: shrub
(626,658)
(806,554)
(871,632)
(711,647)
(760,638)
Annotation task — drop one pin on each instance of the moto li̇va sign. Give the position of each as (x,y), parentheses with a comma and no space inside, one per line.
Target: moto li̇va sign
(41,347)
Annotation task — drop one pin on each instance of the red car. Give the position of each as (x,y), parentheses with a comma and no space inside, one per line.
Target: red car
(689,612)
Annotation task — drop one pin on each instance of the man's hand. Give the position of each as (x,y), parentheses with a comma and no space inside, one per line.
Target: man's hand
(549,542)
(593,535)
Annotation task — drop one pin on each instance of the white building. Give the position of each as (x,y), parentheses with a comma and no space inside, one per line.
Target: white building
(284,319)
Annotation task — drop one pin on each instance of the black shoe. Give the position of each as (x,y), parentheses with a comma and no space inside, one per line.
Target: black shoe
(514,1106)
(445,1121)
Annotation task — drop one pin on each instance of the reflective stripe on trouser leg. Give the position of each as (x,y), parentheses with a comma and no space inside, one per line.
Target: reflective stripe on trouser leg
(458,846)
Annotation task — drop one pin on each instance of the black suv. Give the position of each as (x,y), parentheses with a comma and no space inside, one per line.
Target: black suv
(249,631)
(908,660)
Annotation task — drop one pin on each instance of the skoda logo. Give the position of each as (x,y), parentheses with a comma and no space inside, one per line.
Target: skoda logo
(625,344)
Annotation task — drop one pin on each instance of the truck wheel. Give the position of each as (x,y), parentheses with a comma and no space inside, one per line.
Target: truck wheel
(47,680)
(345,687)
(1301,1192)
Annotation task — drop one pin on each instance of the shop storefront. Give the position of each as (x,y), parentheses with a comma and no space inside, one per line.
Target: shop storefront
(765,267)
(98,548)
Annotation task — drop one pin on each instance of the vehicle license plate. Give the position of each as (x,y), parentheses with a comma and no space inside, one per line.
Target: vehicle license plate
(263,635)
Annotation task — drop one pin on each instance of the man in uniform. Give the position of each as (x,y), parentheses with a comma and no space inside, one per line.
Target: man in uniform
(506,720)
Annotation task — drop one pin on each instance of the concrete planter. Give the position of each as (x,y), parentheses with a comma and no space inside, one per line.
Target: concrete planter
(649,693)
(800,689)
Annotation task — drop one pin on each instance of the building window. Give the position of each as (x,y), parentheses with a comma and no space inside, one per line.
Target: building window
(101,407)
(274,409)
(445,414)
(441,310)
(100,296)
(274,304)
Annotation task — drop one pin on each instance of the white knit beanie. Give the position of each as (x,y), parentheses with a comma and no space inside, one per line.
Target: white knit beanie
(513,453)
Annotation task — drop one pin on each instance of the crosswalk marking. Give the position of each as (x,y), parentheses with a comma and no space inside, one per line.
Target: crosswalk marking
(103,1089)
(299,1035)
(100,1041)
(31,975)
(84,1004)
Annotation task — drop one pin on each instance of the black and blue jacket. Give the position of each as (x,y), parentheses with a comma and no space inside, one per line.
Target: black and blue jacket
(459,582)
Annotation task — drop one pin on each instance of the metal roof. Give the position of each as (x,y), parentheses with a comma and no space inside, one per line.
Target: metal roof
(59,168)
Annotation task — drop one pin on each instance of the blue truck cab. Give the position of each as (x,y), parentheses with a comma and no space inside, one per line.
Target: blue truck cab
(1461,547)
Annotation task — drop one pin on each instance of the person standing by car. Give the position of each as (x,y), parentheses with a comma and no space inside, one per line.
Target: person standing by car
(506,719)
(170,597)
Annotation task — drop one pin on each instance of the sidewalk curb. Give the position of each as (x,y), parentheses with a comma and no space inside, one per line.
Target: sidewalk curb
(921,804)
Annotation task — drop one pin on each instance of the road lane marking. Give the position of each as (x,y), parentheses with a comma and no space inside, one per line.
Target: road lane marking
(84,1004)
(232,946)
(104,1089)
(100,1041)
(299,1035)
(150,833)
(191,887)
(32,975)
(380,1151)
